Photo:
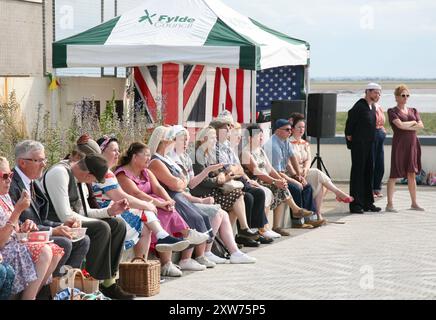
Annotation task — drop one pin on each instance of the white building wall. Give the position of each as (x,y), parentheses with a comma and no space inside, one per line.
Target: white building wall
(337,159)
(32,91)
(21,45)
(74,89)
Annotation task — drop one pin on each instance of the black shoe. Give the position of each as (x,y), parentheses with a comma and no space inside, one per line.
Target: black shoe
(246,241)
(170,243)
(372,208)
(265,240)
(357,210)
(116,292)
(44,293)
(248,233)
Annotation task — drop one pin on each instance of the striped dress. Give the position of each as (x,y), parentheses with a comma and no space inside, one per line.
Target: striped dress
(134,218)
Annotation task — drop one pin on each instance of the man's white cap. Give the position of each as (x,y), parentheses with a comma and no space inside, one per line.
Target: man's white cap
(373,86)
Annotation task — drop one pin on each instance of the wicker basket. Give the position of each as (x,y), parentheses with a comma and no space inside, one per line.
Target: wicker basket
(140,277)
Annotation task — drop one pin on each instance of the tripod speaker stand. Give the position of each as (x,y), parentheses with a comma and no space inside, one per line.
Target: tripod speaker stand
(319,163)
(321,121)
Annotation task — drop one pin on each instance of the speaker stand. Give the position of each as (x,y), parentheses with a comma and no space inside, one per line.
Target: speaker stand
(319,163)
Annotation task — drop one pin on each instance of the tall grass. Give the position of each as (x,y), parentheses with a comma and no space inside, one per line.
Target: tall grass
(12,126)
(58,141)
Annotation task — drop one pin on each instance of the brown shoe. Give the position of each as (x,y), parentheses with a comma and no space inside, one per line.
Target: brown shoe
(317,223)
(302,213)
(302,226)
(281,232)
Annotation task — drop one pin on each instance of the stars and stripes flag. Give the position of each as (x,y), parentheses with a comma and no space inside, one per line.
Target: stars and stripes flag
(281,83)
(192,94)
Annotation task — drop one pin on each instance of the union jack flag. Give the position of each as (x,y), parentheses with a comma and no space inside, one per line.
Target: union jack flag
(195,93)
(192,93)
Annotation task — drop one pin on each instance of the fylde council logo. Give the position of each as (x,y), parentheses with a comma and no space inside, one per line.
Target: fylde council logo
(166,21)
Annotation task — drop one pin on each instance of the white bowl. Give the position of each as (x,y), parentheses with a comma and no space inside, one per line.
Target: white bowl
(78,232)
(22,236)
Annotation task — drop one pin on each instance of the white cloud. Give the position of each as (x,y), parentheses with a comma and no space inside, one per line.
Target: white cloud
(403,30)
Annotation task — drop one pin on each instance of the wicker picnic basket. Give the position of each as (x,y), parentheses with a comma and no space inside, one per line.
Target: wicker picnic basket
(140,277)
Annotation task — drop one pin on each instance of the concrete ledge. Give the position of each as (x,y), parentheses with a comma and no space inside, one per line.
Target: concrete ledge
(337,158)
(340,139)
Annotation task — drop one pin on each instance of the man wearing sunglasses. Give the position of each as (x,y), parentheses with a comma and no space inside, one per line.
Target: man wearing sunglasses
(360,130)
(279,151)
(30,162)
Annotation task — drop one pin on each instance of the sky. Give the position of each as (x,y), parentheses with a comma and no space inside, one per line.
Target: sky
(356,38)
(348,38)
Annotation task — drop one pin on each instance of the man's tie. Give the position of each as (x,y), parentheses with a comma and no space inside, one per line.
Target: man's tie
(32,190)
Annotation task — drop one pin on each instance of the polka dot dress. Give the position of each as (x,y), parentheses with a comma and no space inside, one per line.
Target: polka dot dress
(226,200)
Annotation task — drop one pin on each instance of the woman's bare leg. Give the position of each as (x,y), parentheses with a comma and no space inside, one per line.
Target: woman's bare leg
(41,267)
(238,210)
(226,234)
(338,192)
(390,192)
(199,249)
(143,245)
(51,268)
(216,223)
(318,202)
(411,183)
(186,254)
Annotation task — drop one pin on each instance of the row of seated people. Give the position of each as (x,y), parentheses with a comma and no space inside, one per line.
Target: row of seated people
(156,197)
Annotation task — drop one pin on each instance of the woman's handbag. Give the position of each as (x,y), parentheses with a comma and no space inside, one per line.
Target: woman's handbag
(231,185)
(431,178)
(74,278)
(219,249)
(140,277)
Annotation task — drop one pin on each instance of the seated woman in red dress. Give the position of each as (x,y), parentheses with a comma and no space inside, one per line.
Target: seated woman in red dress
(34,262)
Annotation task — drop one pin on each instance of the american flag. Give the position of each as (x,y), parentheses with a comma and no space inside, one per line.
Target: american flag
(192,94)
(281,83)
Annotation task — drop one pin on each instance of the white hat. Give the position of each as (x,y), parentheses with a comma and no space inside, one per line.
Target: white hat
(373,86)
(177,130)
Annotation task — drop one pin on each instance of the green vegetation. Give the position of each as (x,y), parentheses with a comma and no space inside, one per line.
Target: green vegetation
(58,141)
(12,126)
(429,120)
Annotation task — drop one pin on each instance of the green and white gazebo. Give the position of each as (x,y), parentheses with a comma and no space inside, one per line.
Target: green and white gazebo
(184,32)
(203,32)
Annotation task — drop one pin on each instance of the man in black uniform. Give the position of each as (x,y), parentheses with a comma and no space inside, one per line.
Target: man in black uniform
(360,135)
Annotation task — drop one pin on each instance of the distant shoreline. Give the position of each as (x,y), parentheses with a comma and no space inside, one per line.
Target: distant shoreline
(357,85)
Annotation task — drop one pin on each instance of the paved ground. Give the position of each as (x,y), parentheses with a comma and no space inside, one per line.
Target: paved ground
(370,256)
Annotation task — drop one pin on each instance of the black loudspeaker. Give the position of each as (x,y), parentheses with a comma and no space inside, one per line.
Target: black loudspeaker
(282,109)
(321,115)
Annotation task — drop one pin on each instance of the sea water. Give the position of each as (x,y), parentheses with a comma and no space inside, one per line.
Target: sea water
(422,99)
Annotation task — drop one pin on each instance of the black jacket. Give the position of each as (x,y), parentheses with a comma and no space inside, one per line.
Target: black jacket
(360,123)
(38,209)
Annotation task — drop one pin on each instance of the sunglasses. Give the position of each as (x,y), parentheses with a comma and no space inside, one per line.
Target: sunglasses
(405,95)
(6,175)
(287,129)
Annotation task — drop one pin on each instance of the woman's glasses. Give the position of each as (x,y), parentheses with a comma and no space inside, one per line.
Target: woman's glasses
(405,95)
(6,175)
